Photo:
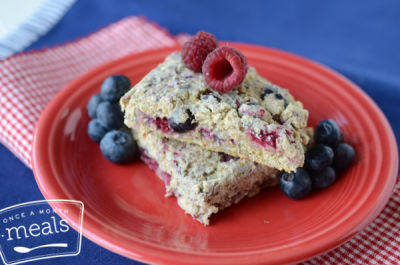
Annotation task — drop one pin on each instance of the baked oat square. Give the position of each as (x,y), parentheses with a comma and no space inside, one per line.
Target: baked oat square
(204,182)
(258,120)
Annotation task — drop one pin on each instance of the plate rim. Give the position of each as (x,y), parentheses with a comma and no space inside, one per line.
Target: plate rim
(156,255)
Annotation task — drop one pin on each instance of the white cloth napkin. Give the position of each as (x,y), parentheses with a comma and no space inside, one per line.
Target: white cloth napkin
(23,21)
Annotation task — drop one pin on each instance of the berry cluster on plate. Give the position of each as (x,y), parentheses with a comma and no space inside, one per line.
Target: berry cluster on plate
(329,156)
(214,130)
(107,124)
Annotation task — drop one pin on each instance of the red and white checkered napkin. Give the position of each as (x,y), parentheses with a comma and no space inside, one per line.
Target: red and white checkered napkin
(28,81)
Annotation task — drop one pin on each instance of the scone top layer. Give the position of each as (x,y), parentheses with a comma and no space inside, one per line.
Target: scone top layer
(257,110)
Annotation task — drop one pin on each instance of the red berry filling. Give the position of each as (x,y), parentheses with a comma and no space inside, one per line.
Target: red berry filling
(211,136)
(195,50)
(206,133)
(148,160)
(162,124)
(177,154)
(167,125)
(224,69)
(252,110)
(166,177)
(265,138)
(151,163)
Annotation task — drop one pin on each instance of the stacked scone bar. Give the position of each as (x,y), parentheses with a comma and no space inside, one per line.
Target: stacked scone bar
(203,181)
(215,135)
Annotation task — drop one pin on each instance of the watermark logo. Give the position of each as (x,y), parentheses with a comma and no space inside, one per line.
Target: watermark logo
(33,230)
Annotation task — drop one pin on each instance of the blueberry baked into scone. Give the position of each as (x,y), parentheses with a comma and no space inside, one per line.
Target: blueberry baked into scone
(255,120)
(203,181)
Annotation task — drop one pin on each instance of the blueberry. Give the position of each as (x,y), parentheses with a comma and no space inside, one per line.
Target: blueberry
(225,157)
(119,147)
(323,178)
(278,96)
(94,101)
(296,185)
(182,120)
(110,115)
(328,133)
(266,91)
(114,87)
(319,157)
(344,156)
(96,130)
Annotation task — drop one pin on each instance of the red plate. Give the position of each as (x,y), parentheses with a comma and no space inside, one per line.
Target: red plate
(125,208)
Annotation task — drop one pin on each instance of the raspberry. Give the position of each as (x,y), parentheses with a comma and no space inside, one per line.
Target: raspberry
(224,69)
(195,50)
(162,124)
(265,138)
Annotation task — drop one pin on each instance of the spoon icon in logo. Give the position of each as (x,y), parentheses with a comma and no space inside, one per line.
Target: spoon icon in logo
(20,249)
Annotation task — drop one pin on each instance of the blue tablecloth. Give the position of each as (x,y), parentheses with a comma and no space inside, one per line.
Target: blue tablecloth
(359,39)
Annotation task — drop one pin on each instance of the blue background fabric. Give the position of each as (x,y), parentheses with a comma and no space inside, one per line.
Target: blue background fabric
(359,39)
